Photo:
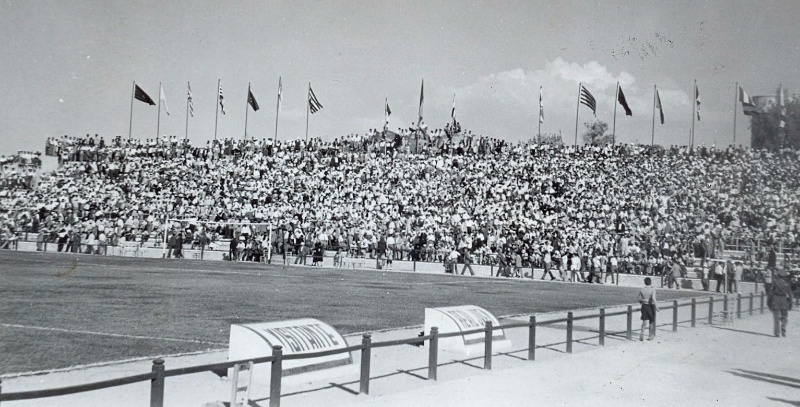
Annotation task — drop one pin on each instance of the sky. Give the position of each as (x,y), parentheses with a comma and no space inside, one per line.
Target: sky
(68,66)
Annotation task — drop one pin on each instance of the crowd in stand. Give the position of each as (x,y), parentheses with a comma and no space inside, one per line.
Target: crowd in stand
(422,196)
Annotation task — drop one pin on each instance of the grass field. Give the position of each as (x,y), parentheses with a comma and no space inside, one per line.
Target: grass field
(59,310)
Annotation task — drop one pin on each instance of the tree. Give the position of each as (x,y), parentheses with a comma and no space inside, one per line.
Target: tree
(766,132)
(595,134)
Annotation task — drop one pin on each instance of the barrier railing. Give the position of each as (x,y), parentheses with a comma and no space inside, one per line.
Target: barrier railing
(158,373)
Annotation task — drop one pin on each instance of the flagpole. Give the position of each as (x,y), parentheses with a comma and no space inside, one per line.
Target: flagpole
(277,108)
(653,130)
(246,109)
(187,110)
(308,107)
(614,129)
(158,122)
(577,109)
(216,117)
(130,124)
(694,107)
(735,103)
(539,119)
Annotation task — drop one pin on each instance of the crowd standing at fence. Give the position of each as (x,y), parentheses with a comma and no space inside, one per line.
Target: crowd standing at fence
(579,211)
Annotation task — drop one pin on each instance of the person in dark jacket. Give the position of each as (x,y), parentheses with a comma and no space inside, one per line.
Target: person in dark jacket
(779,300)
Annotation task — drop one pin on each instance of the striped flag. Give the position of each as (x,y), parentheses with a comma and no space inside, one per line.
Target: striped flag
(221,99)
(697,100)
(624,102)
(280,92)
(189,98)
(163,98)
(421,99)
(541,106)
(659,106)
(748,106)
(141,95)
(783,108)
(251,100)
(588,100)
(313,103)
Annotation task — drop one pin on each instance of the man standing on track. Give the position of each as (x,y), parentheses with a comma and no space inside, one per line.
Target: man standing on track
(779,300)
(647,297)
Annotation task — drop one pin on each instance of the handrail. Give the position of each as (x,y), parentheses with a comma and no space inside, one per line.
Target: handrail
(277,356)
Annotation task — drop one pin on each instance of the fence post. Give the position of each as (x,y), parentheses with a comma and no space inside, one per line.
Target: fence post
(711,310)
(674,315)
(751,303)
(694,312)
(739,306)
(629,316)
(433,353)
(366,354)
(275,377)
(487,352)
(602,326)
(157,384)
(415,266)
(1,386)
(725,307)
(762,302)
(532,338)
(569,332)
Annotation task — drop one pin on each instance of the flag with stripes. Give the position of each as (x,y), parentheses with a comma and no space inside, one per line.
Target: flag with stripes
(541,106)
(221,99)
(141,95)
(163,98)
(421,99)
(783,108)
(697,101)
(624,102)
(659,106)
(313,103)
(588,100)
(748,106)
(251,100)
(280,92)
(189,98)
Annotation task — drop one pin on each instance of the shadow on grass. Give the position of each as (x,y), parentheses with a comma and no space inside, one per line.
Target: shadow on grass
(767,378)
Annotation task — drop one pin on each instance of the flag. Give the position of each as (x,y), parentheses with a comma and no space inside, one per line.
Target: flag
(748,106)
(421,99)
(313,103)
(280,92)
(141,95)
(189,99)
(221,99)
(588,100)
(659,106)
(541,106)
(453,110)
(251,100)
(163,98)
(783,108)
(387,110)
(622,101)
(697,101)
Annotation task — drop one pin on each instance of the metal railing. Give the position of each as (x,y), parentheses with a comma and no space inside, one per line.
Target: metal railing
(158,374)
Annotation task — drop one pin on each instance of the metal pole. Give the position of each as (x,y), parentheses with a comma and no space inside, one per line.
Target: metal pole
(187,110)
(653,130)
(157,384)
(278,107)
(735,105)
(275,377)
(577,109)
(629,317)
(246,110)
(487,351)
(532,338)
(366,353)
(674,315)
(308,107)
(130,124)
(694,106)
(433,354)
(614,128)
(569,332)
(158,121)
(602,326)
(216,117)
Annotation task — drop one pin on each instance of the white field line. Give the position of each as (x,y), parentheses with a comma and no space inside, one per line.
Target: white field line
(76,331)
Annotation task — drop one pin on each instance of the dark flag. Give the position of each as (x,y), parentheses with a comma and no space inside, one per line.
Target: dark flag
(748,106)
(697,101)
(624,103)
(251,99)
(421,99)
(659,107)
(141,95)
(313,103)
(588,100)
